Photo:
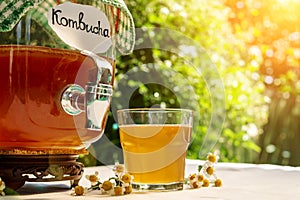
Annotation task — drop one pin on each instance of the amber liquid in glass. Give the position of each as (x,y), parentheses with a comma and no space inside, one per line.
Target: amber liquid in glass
(155,154)
(32,80)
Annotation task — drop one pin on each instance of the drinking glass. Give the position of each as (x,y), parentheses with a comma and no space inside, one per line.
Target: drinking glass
(154,142)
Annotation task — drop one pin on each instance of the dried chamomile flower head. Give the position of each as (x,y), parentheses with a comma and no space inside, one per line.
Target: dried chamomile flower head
(210,170)
(205,183)
(192,177)
(118,190)
(79,190)
(200,177)
(2,184)
(218,183)
(107,185)
(2,187)
(118,168)
(195,184)
(126,178)
(212,157)
(207,170)
(93,178)
(128,189)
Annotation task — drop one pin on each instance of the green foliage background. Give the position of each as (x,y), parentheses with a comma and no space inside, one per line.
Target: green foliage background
(255,45)
(207,24)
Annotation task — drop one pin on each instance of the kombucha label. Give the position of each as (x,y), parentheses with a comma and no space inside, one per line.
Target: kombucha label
(80,26)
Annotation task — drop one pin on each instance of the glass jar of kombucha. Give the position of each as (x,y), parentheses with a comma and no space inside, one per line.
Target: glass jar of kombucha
(57,63)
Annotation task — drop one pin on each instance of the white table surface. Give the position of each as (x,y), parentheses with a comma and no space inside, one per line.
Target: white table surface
(240,182)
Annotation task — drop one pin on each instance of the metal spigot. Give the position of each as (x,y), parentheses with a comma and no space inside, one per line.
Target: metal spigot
(95,99)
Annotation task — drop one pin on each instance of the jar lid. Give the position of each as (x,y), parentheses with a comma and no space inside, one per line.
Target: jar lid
(12,10)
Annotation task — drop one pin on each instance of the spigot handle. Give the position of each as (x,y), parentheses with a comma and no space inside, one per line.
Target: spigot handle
(75,99)
(72,99)
(95,99)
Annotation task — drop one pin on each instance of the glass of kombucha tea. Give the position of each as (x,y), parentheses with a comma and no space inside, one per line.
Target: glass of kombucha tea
(154,142)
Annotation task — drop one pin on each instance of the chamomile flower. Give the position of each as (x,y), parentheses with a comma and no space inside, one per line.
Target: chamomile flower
(128,189)
(118,190)
(200,177)
(212,157)
(107,185)
(205,183)
(218,182)
(2,187)
(210,170)
(79,191)
(93,178)
(118,169)
(126,178)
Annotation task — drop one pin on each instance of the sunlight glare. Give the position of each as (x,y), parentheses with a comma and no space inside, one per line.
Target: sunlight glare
(287,2)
